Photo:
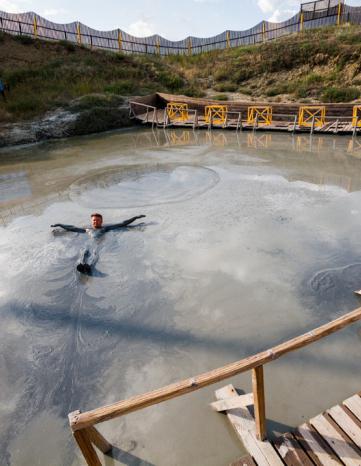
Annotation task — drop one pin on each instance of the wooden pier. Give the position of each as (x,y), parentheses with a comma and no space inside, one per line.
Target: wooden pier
(332,438)
(336,118)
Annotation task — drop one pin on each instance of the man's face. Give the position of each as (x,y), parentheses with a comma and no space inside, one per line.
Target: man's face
(97,222)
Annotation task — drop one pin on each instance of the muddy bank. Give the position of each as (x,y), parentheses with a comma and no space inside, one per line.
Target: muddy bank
(86,115)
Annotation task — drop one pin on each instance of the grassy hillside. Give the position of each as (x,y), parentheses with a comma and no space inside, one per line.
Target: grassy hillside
(320,65)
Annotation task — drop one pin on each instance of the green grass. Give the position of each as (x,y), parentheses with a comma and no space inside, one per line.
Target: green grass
(341,94)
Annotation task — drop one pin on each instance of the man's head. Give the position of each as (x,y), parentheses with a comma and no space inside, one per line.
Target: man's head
(97,220)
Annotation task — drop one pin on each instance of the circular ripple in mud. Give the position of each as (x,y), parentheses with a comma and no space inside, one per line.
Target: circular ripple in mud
(142,186)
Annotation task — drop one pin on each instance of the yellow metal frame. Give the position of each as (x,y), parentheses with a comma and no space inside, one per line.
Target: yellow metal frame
(177,111)
(356,115)
(307,114)
(263,115)
(216,114)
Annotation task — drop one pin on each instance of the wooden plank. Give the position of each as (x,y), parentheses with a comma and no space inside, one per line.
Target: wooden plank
(244,461)
(259,402)
(291,452)
(241,420)
(240,401)
(99,441)
(138,402)
(344,450)
(83,441)
(346,423)
(315,447)
(354,405)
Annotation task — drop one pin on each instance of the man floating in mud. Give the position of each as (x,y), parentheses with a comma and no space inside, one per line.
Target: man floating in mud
(97,230)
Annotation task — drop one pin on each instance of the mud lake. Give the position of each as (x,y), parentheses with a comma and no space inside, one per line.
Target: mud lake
(249,239)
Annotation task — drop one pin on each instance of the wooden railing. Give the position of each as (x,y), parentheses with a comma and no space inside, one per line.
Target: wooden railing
(86,435)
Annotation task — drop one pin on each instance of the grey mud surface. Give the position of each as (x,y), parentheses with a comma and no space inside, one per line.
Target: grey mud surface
(249,240)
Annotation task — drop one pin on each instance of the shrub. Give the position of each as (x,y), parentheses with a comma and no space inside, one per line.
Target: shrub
(226,87)
(222,97)
(193,91)
(2,37)
(172,81)
(28,104)
(314,78)
(69,46)
(245,90)
(121,87)
(25,40)
(340,94)
(283,88)
(221,74)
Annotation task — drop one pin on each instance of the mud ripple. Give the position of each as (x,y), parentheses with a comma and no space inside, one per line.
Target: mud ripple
(138,186)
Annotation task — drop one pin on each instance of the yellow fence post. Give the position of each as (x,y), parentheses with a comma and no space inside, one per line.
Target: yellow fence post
(158,46)
(35,27)
(120,39)
(339,13)
(264,31)
(228,40)
(302,19)
(190,46)
(78,33)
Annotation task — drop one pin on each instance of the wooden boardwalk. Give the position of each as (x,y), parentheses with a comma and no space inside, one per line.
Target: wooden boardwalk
(156,118)
(332,438)
(152,110)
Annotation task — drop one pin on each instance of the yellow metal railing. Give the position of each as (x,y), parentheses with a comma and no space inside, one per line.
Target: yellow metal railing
(356,116)
(259,115)
(177,111)
(312,116)
(216,114)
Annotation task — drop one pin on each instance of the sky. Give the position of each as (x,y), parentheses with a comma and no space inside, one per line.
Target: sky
(172,19)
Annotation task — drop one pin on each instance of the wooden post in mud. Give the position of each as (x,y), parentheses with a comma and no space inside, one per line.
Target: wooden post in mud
(195,121)
(313,125)
(354,133)
(294,124)
(86,439)
(259,402)
(336,127)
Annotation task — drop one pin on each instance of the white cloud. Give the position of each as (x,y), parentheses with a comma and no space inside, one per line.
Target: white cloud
(52,12)
(279,9)
(10,7)
(140,28)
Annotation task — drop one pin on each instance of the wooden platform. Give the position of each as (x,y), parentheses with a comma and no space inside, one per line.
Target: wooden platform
(332,438)
(150,110)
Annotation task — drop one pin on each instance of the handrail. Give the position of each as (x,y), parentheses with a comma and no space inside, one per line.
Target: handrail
(80,420)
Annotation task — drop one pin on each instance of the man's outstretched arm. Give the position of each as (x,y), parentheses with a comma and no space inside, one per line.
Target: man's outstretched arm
(123,224)
(69,228)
